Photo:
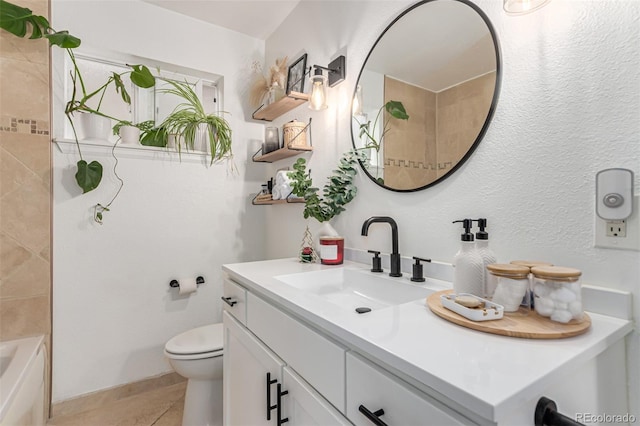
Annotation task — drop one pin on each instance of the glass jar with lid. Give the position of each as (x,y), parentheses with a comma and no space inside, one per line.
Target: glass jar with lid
(507,285)
(557,293)
(530,264)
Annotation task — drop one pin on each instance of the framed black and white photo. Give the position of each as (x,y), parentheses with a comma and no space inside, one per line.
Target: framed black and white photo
(295,77)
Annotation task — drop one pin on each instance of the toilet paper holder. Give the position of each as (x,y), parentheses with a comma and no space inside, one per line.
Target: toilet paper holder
(176,283)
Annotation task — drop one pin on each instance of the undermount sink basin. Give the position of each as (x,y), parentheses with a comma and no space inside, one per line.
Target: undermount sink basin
(354,288)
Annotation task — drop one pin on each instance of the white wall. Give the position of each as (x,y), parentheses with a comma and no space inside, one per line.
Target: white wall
(113,308)
(568,108)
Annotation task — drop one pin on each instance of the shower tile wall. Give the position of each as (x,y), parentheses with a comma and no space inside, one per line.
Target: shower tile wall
(25,187)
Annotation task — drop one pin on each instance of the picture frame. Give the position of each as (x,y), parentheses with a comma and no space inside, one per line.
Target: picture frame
(296,75)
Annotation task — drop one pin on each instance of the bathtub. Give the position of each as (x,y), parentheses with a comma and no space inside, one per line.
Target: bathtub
(22,374)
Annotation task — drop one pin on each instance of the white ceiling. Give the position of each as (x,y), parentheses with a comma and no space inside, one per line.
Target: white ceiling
(256,18)
(448,41)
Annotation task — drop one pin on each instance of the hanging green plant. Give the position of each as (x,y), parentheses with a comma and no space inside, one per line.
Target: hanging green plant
(21,22)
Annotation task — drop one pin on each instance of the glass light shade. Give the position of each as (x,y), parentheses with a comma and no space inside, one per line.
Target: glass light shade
(356,108)
(521,7)
(318,98)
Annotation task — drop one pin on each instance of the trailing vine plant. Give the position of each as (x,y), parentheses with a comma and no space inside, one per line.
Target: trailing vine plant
(22,23)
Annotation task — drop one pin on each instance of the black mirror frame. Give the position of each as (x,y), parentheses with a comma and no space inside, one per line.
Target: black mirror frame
(492,108)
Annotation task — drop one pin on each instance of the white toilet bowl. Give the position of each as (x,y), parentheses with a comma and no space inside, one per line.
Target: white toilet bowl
(196,355)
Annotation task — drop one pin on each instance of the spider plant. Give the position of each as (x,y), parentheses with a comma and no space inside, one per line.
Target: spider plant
(187,118)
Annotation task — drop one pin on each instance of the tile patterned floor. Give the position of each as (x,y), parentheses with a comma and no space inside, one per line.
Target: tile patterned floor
(159,407)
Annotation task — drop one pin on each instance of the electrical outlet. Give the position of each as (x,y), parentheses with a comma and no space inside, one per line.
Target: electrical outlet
(619,234)
(616,228)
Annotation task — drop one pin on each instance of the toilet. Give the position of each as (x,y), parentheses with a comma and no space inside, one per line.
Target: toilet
(196,355)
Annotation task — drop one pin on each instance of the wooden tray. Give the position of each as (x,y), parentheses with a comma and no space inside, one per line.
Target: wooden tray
(513,324)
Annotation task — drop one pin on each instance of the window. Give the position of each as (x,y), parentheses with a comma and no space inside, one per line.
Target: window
(146,104)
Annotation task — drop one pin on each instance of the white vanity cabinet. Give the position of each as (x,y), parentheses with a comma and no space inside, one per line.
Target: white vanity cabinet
(263,384)
(375,397)
(251,373)
(328,370)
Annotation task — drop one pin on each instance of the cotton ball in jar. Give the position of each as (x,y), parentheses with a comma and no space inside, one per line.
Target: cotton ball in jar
(563,295)
(544,306)
(576,309)
(561,306)
(561,316)
(541,290)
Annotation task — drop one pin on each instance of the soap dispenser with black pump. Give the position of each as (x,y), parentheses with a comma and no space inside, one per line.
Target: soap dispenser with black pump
(468,265)
(488,256)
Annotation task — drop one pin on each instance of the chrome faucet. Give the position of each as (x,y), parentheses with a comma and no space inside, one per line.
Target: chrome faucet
(395,256)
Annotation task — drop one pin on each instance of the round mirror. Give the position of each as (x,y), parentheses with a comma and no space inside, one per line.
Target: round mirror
(426,94)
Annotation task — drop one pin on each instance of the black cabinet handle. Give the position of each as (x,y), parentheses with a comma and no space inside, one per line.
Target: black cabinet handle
(546,414)
(269,383)
(229,300)
(373,416)
(281,393)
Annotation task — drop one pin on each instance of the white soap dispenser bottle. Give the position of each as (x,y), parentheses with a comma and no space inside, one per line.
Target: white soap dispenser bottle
(468,265)
(487,255)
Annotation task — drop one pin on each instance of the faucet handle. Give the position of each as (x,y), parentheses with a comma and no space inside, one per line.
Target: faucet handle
(376,261)
(418,275)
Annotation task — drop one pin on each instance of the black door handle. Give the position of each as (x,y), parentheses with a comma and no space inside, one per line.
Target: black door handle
(269,406)
(372,416)
(281,393)
(546,414)
(229,300)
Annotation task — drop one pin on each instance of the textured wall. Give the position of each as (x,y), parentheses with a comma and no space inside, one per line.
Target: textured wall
(569,107)
(25,194)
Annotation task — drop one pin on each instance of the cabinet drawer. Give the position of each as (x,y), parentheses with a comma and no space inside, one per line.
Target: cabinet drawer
(236,300)
(320,361)
(376,389)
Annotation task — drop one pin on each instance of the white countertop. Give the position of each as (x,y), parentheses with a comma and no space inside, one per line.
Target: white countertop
(486,373)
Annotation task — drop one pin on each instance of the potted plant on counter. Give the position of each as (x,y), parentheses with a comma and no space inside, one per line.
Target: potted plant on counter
(336,193)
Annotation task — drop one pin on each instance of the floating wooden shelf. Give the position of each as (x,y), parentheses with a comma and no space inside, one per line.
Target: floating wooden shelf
(293,200)
(281,153)
(276,109)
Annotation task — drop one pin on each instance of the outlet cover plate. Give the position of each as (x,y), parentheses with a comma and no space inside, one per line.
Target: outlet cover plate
(632,239)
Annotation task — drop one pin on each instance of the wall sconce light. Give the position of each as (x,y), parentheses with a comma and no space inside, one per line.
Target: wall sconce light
(522,7)
(336,71)
(356,108)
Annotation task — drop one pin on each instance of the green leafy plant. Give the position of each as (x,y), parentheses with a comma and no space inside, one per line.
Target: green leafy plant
(337,192)
(395,109)
(154,136)
(185,120)
(22,22)
(144,126)
(90,175)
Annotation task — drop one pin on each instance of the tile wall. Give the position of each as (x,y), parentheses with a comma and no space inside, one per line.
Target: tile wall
(447,126)
(25,185)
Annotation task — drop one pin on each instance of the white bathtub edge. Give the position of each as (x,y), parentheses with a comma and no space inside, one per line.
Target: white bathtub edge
(13,377)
